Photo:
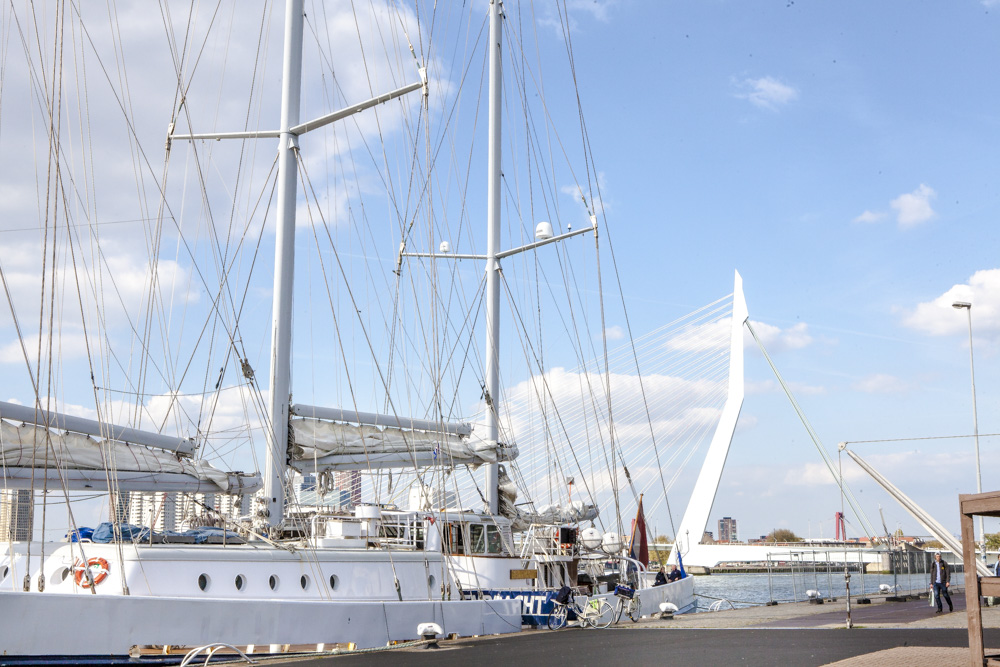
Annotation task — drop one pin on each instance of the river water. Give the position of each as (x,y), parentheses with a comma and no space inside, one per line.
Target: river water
(744,590)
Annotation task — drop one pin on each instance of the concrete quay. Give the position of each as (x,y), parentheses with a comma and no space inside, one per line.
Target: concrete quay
(884,633)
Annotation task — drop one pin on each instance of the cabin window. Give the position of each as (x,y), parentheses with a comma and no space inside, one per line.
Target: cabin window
(418,537)
(456,538)
(478,541)
(304,582)
(241,582)
(333,582)
(494,545)
(203,582)
(273,582)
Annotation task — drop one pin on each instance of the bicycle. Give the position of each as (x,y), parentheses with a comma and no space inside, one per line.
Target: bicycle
(628,603)
(595,613)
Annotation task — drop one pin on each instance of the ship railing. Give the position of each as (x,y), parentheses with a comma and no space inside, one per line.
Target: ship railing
(541,540)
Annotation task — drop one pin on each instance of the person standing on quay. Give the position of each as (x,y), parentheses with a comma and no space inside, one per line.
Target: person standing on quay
(940,574)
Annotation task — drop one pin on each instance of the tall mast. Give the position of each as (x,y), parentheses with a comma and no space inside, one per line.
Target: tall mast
(284,267)
(493,247)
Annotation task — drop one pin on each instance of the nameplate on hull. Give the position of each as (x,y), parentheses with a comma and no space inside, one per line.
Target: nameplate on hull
(524,574)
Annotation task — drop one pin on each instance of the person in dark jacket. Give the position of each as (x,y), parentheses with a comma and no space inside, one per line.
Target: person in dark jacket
(675,574)
(940,575)
(661,578)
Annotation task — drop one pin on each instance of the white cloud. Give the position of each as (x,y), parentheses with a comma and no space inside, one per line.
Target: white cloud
(938,318)
(67,345)
(772,387)
(870,216)
(880,383)
(763,387)
(766,92)
(774,338)
(588,202)
(799,388)
(702,337)
(914,207)
(813,474)
(549,16)
(614,333)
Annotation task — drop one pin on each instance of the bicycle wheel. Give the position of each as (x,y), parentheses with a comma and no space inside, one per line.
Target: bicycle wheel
(633,609)
(557,619)
(603,616)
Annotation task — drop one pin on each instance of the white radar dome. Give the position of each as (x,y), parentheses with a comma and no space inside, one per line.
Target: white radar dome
(543,231)
(612,543)
(591,538)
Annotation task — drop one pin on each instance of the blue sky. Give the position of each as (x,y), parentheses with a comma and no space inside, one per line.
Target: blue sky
(842,157)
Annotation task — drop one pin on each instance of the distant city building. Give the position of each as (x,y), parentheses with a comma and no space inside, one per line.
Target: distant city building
(304,490)
(15,515)
(423,497)
(727,530)
(181,511)
(232,507)
(154,509)
(708,537)
(307,491)
(350,481)
(119,507)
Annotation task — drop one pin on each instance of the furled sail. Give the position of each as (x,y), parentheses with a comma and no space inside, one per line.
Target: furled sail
(378,441)
(555,514)
(33,453)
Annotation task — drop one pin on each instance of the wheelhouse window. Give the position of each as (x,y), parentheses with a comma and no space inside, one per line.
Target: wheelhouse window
(494,545)
(456,538)
(477,532)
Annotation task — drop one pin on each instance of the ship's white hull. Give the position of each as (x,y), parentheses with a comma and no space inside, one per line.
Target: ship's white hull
(253,594)
(112,625)
(680,593)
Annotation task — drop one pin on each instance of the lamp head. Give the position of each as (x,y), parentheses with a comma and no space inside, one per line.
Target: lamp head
(958,305)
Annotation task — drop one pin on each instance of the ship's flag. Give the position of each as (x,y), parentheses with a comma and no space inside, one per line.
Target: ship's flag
(638,546)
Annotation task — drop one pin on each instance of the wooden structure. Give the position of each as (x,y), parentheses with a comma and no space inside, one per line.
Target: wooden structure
(972,504)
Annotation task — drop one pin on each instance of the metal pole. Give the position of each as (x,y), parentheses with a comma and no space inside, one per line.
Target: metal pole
(791,562)
(284,268)
(975,435)
(829,578)
(864,568)
(493,195)
(847,590)
(815,572)
(770,588)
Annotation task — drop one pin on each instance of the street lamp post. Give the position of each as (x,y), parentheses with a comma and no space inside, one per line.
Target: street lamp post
(960,305)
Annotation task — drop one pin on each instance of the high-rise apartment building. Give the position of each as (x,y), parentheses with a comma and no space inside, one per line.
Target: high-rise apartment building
(15,514)
(349,481)
(727,530)
(180,511)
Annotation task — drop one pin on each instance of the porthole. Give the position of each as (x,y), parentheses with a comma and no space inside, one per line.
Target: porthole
(430,584)
(304,582)
(273,582)
(241,582)
(334,582)
(204,582)
(6,571)
(61,574)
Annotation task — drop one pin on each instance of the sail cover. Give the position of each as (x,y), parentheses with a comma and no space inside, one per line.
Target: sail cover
(318,444)
(24,447)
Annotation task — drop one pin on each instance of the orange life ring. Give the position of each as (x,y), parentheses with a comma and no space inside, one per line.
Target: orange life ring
(98,571)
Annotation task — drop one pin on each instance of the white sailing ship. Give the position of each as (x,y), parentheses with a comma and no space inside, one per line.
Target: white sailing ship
(289,577)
